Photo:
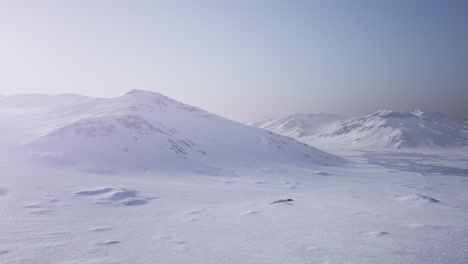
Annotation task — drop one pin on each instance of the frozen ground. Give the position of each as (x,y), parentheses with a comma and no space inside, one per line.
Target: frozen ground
(381,207)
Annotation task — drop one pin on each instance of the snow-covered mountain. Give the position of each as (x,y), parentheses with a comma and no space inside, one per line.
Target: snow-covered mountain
(298,125)
(141,130)
(410,129)
(383,129)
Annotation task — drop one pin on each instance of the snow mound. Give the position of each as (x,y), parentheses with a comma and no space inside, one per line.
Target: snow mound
(116,196)
(417,198)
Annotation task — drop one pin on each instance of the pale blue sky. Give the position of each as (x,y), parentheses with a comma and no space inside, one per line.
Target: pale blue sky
(244,59)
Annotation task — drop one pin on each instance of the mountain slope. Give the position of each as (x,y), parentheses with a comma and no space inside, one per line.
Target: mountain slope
(298,125)
(394,129)
(146,130)
(383,129)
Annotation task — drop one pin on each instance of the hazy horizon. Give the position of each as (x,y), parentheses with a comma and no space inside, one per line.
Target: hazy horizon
(267,115)
(244,59)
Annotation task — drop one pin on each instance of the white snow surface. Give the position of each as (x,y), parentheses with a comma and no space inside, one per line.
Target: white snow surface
(244,201)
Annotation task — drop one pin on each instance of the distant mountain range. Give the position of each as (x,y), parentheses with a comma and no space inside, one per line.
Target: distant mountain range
(383,129)
(140,130)
(298,125)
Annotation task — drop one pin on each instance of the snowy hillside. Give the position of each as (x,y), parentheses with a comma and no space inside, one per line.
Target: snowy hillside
(383,129)
(141,130)
(394,129)
(297,125)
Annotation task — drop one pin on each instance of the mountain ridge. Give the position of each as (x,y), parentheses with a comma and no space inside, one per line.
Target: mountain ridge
(297,125)
(383,129)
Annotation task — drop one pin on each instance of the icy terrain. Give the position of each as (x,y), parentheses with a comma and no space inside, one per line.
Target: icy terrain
(249,199)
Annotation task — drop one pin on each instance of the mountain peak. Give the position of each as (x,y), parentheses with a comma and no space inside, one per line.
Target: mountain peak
(151,101)
(146,95)
(386,113)
(417,112)
(405,114)
(139,91)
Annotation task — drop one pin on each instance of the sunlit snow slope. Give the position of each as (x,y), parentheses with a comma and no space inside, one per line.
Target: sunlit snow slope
(298,125)
(383,129)
(394,129)
(140,130)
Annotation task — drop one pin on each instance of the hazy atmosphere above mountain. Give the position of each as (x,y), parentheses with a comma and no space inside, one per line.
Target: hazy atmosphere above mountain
(244,59)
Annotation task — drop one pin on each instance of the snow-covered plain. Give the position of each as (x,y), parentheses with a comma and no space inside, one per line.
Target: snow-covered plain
(385,206)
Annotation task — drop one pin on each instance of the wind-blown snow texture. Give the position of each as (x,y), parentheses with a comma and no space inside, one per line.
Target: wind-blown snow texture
(383,129)
(145,179)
